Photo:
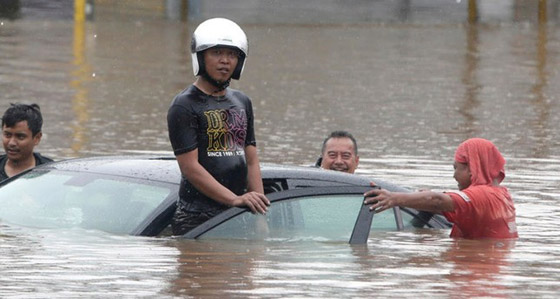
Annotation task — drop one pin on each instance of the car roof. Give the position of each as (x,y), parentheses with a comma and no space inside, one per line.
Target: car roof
(164,168)
(278,171)
(154,168)
(316,174)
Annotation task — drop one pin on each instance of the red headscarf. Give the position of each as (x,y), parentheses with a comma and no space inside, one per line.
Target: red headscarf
(484,160)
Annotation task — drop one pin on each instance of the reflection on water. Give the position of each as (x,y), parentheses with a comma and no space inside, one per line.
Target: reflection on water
(206,268)
(541,102)
(479,267)
(81,75)
(472,56)
(410,79)
(400,264)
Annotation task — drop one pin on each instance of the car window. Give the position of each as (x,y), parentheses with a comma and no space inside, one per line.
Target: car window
(384,221)
(411,222)
(325,217)
(64,199)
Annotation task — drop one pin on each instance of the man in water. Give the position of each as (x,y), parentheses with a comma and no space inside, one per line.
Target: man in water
(480,209)
(211,131)
(339,152)
(21,133)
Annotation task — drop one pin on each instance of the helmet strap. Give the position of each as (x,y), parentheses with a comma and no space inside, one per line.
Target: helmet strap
(220,85)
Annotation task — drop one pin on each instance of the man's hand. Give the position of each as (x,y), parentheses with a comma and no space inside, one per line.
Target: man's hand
(256,202)
(380,199)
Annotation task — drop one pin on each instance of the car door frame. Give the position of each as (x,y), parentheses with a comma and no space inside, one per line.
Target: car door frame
(362,224)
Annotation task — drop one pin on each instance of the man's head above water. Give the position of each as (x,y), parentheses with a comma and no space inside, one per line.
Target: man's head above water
(21,131)
(340,152)
(219,48)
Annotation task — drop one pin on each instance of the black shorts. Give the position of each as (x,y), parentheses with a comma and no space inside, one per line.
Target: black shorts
(183,220)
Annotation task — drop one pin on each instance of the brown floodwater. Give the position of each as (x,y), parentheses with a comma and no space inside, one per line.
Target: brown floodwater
(410,79)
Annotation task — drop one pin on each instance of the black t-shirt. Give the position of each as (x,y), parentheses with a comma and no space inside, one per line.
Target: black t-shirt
(38,161)
(220,128)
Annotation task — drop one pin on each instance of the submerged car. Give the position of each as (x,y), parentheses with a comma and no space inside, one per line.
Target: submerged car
(137,195)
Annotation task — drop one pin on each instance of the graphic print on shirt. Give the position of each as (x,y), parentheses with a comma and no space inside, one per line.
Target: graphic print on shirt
(227,130)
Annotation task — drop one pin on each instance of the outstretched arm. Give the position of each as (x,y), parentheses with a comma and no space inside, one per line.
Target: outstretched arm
(435,202)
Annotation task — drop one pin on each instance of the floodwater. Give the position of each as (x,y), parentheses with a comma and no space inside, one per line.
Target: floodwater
(410,79)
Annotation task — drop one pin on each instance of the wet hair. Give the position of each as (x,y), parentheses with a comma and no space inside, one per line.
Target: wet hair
(20,112)
(340,134)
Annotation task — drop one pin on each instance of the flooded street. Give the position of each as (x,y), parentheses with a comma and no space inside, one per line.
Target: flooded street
(410,80)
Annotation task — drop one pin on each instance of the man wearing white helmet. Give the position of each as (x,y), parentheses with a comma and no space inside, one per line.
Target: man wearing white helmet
(211,131)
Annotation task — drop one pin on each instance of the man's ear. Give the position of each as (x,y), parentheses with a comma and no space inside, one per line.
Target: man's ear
(319,162)
(37,138)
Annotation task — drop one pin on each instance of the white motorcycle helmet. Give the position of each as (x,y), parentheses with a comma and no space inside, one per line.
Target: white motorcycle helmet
(218,32)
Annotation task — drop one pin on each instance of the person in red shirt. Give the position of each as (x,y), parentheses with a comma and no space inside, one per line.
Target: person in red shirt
(480,209)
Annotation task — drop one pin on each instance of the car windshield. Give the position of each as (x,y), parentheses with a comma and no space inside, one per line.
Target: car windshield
(322,218)
(61,199)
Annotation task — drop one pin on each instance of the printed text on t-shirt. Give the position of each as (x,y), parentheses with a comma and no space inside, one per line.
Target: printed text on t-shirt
(227,130)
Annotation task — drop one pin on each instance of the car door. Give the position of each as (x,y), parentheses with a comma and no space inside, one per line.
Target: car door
(315,213)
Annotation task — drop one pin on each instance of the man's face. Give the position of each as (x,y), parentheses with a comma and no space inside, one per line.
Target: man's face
(221,62)
(339,155)
(18,141)
(462,175)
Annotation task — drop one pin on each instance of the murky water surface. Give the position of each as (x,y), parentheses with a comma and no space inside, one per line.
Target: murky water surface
(410,79)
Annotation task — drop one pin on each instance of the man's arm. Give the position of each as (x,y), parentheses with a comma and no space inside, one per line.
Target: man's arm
(254,170)
(435,202)
(255,184)
(204,182)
